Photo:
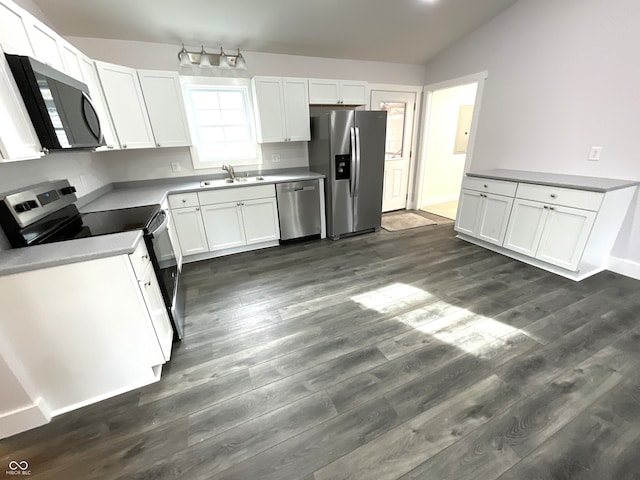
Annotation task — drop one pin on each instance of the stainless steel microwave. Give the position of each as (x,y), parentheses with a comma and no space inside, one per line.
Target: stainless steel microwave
(59,106)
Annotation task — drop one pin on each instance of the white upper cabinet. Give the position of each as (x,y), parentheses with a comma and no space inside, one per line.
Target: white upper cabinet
(18,140)
(165,106)
(126,105)
(13,33)
(71,57)
(337,92)
(90,78)
(45,43)
(282,109)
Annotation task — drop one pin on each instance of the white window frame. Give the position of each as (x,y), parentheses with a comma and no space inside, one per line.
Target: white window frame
(245,85)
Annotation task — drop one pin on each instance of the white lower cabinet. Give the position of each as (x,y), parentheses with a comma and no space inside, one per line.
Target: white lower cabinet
(83,332)
(190,230)
(484,215)
(246,221)
(224,225)
(568,231)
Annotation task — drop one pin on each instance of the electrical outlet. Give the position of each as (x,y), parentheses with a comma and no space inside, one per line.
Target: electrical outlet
(594,154)
(175,167)
(275,157)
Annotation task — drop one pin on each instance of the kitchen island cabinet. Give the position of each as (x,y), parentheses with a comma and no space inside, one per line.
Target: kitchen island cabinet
(562,223)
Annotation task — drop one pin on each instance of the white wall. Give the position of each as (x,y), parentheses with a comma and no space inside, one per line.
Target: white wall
(563,76)
(443,169)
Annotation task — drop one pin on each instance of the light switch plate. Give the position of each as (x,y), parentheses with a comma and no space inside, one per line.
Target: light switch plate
(275,157)
(594,154)
(175,167)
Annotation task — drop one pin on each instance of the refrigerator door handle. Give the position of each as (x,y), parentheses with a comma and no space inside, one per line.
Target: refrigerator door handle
(357,173)
(352,179)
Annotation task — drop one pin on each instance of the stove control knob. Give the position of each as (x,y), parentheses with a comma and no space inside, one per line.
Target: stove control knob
(68,190)
(32,204)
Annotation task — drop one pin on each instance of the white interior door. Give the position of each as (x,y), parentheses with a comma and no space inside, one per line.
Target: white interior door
(400,107)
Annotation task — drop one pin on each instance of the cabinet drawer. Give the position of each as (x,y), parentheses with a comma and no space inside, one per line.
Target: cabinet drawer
(140,259)
(567,197)
(486,185)
(236,194)
(182,200)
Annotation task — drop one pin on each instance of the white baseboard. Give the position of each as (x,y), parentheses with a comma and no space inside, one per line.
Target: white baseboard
(24,419)
(624,267)
(439,199)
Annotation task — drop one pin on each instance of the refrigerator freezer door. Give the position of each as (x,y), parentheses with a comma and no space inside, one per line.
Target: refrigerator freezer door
(340,200)
(371,128)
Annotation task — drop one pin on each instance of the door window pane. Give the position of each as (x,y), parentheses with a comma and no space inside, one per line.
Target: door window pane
(395,128)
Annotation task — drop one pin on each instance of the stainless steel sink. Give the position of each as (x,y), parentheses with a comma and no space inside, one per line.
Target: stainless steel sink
(227,182)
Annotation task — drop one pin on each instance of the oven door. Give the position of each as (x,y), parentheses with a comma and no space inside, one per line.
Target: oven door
(165,264)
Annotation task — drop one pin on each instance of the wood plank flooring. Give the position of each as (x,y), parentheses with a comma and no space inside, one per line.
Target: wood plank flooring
(393,355)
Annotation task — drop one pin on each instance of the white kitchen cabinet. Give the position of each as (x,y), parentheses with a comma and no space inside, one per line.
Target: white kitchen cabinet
(484,215)
(190,230)
(551,233)
(165,106)
(18,139)
(45,43)
(250,218)
(126,105)
(224,225)
(570,231)
(157,311)
(71,57)
(90,78)
(282,109)
(260,220)
(13,34)
(97,338)
(337,92)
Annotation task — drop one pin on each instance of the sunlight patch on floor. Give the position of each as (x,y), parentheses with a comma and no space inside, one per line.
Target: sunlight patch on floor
(440,320)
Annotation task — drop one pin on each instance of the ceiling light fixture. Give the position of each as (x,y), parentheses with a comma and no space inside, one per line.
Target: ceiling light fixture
(204,59)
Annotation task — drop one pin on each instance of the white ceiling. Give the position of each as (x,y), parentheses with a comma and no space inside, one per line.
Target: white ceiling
(401,31)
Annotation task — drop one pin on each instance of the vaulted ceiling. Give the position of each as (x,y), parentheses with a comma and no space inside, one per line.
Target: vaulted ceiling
(401,31)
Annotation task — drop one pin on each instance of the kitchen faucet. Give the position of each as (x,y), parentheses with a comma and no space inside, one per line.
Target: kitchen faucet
(229,170)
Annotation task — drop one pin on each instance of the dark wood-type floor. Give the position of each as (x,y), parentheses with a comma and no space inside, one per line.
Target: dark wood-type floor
(408,355)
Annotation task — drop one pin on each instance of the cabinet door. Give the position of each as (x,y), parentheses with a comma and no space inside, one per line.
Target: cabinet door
(126,104)
(223,224)
(18,140)
(270,109)
(296,109)
(71,57)
(165,106)
(494,215)
(260,218)
(45,44)
(157,311)
(90,76)
(565,236)
(468,212)
(323,92)
(190,229)
(525,227)
(13,34)
(353,93)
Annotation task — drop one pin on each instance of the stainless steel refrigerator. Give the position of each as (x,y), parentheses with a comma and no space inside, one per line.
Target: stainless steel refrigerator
(347,146)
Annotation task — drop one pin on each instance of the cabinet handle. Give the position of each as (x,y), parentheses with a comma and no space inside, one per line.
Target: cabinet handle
(486,186)
(551,208)
(110,147)
(124,145)
(157,144)
(145,257)
(553,195)
(545,207)
(184,200)
(197,209)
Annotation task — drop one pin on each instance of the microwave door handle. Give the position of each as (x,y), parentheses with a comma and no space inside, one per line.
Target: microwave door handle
(98,135)
(352,174)
(163,225)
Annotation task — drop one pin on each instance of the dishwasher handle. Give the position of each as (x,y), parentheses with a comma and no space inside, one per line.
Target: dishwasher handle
(293,187)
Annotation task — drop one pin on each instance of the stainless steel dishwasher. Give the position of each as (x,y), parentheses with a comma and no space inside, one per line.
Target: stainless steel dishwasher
(298,209)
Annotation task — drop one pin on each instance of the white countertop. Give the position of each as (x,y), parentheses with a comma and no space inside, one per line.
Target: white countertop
(71,251)
(594,184)
(131,194)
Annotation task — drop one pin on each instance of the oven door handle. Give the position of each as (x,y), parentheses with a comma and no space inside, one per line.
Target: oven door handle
(163,225)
